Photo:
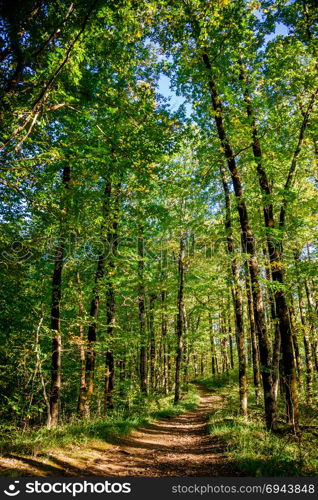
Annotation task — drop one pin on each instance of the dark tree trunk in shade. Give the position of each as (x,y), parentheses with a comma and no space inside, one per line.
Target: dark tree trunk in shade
(111,307)
(152,357)
(306,334)
(81,311)
(214,358)
(164,329)
(142,317)
(255,351)
(298,360)
(180,317)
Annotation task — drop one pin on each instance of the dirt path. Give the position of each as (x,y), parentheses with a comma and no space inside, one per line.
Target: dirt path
(177,446)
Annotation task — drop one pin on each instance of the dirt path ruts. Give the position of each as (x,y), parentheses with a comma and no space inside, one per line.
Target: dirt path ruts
(176,446)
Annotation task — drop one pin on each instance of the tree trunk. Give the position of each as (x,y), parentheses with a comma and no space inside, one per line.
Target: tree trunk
(309,365)
(152,356)
(142,318)
(180,318)
(305,328)
(94,309)
(109,358)
(82,385)
(164,341)
(237,300)
(255,352)
(55,317)
(214,359)
(111,311)
(275,256)
(295,339)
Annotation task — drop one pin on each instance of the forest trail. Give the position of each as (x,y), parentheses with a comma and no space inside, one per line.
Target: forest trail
(176,446)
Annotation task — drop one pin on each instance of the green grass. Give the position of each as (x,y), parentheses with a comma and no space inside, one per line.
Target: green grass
(108,429)
(256,451)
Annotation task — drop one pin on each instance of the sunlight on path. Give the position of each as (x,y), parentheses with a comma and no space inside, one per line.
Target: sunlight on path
(178,446)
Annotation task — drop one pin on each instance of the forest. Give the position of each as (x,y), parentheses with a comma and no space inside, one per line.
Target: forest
(159,211)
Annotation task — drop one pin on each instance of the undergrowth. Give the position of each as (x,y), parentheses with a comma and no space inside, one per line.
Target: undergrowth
(256,451)
(107,429)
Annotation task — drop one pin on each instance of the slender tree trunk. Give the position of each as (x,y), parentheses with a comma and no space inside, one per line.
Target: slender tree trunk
(225,359)
(56,318)
(56,343)
(305,328)
(94,309)
(276,356)
(109,357)
(237,300)
(186,347)
(309,365)
(122,376)
(231,352)
(295,339)
(195,365)
(255,352)
(202,365)
(142,318)
(186,357)
(164,342)
(82,385)
(180,318)
(152,356)
(276,361)
(111,309)
(39,366)
(214,359)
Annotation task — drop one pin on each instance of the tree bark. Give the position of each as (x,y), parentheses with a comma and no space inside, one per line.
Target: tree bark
(237,300)
(164,328)
(82,385)
(214,359)
(111,309)
(142,317)
(180,318)
(56,317)
(152,357)
(94,309)
(306,337)
(277,270)
(255,351)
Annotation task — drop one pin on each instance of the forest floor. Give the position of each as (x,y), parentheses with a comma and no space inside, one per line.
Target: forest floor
(176,446)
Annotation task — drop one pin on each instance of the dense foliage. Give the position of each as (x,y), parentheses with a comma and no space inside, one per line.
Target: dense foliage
(154,246)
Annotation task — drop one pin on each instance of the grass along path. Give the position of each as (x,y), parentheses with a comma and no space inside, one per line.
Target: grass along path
(254,450)
(202,436)
(178,445)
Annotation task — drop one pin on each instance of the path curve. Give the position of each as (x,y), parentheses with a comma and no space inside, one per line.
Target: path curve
(175,446)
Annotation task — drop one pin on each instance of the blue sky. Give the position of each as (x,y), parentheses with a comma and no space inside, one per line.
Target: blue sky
(175,101)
